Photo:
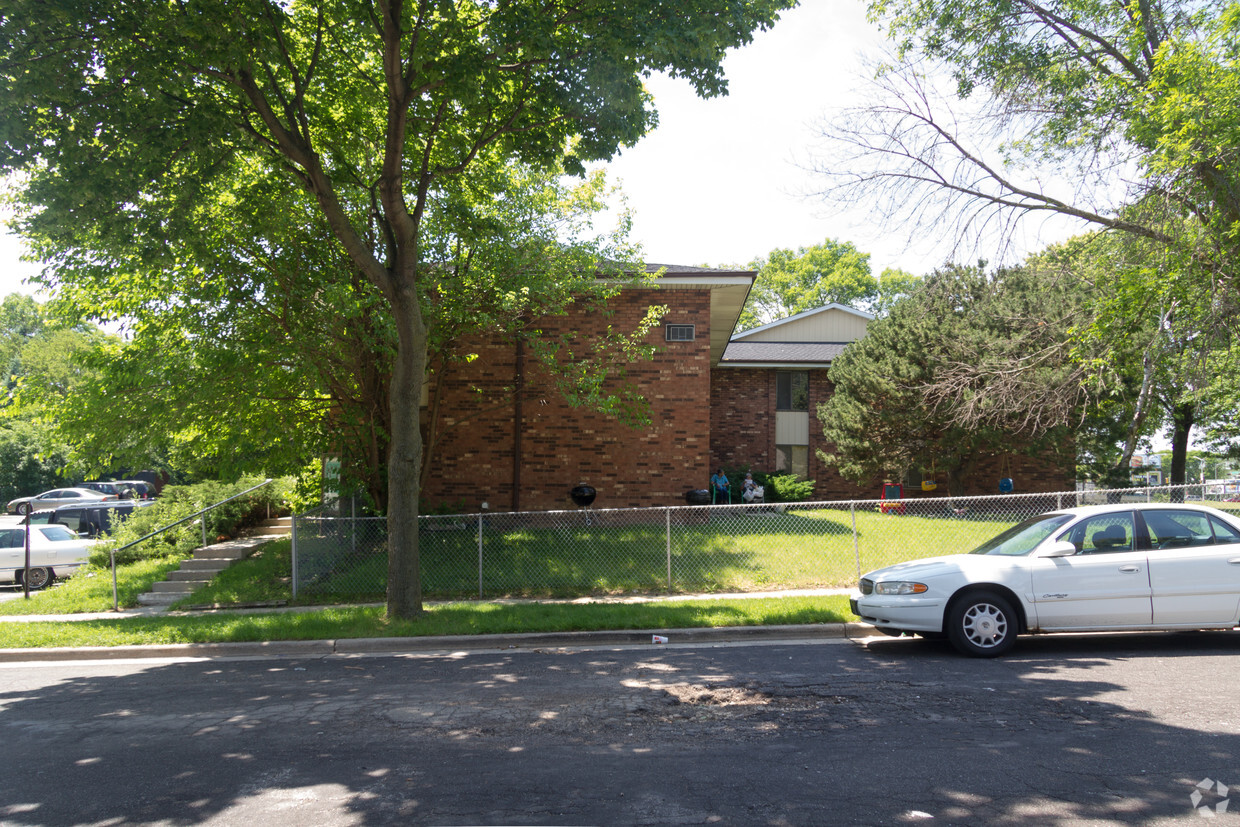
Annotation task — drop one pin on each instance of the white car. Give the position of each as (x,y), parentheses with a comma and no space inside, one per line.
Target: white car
(55,551)
(1095,568)
(56,498)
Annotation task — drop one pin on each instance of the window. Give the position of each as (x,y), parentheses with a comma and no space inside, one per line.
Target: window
(1178,529)
(57,533)
(792,459)
(1224,533)
(680,332)
(792,390)
(71,519)
(1103,534)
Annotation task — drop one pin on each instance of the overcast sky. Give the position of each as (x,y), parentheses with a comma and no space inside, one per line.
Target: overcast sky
(723,181)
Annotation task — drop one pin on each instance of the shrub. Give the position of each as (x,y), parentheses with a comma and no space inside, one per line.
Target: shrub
(784,488)
(181,501)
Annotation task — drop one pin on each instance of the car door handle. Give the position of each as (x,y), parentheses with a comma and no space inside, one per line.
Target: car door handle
(1235,561)
(1129,568)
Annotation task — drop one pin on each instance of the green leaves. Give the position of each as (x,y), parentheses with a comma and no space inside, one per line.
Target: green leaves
(970,366)
(382,131)
(792,281)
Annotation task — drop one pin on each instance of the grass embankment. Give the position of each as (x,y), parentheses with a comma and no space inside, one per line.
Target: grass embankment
(335,623)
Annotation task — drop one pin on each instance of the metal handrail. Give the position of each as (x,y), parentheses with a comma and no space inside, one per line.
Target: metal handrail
(115,597)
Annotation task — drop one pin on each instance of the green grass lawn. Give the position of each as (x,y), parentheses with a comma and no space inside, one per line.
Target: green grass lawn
(335,623)
(90,590)
(743,552)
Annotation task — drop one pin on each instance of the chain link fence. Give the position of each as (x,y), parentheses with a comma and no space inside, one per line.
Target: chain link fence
(750,547)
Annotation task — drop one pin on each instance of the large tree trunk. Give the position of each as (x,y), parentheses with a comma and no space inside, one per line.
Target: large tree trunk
(404,593)
(1183,416)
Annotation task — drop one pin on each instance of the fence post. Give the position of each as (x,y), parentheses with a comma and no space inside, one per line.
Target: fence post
(852,509)
(295,566)
(667,534)
(479,555)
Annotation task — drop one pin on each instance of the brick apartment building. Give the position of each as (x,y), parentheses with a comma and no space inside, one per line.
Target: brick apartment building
(510,440)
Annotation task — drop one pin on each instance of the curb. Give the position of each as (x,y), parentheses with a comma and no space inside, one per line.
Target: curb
(404,645)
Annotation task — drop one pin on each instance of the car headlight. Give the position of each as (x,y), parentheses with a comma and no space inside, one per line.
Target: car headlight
(899,587)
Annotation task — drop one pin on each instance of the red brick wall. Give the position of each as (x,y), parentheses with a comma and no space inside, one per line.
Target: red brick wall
(742,418)
(743,427)
(561,446)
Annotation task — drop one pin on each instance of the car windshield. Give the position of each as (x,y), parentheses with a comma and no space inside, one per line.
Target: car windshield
(1023,538)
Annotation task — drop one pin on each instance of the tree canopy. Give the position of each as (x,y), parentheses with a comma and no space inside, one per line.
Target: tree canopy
(40,354)
(1123,116)
(792,281)
(910,394)
(119,116)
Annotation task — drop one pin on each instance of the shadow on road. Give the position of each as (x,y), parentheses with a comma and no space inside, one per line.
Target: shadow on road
(1067,730)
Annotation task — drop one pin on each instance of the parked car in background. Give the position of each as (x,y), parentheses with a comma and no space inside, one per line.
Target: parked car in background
(142,490)
(104,487)
(55,551)
(1124,566)
(124,489)
(90,520)
(56,497)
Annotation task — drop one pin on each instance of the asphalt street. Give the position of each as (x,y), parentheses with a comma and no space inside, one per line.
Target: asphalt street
(1120,729)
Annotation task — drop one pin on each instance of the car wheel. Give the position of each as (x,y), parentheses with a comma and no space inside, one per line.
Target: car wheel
(982,624)
(23,508)
(38,578)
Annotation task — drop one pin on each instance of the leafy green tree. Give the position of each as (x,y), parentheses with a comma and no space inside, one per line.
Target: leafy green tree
(20,320)
(791,281)
(35,350)
(372,109)
(30,459)
(893,285)
(915,391)
(1156,335)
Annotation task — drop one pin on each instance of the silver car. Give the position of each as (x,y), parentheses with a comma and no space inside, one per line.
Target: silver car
(56,498)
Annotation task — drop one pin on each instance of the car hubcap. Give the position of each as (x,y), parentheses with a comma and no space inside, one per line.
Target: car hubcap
(985,625)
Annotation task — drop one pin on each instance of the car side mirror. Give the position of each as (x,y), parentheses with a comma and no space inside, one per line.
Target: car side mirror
(1061,548)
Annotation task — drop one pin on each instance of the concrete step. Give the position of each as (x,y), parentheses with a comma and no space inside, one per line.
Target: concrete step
(158,599)
(222,551)
(203,575)
(199,570)
(180,587)
(211,564)
(282,527)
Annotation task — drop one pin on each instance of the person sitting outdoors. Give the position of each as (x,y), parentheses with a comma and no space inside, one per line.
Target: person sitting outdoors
(720,488)
(751,491)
